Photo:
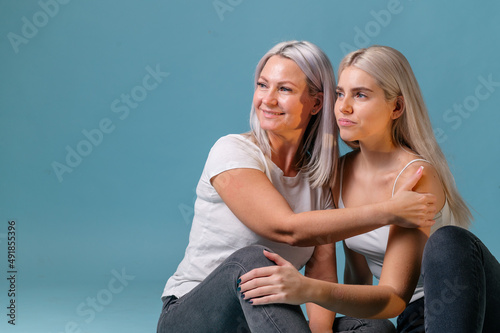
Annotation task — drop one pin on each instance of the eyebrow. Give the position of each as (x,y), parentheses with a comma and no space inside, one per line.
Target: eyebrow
(279,82)
(356,89)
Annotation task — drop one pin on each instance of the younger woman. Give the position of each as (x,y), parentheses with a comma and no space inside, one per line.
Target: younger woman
(381,115)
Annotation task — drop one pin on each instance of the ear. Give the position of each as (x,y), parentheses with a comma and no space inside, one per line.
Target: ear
(318,105)
(399,107)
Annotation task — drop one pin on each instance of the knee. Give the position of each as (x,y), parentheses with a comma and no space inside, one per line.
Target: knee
(446,242)
(450,237)
(383,325)
(251,256)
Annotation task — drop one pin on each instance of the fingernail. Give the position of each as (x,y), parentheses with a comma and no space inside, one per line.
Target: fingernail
(420,170)
(250,301)
(242,295)
(239,281)
(239,288)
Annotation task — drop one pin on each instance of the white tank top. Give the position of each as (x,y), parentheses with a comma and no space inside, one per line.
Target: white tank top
(372,245)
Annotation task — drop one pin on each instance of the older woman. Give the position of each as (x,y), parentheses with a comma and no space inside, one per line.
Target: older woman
(268,187)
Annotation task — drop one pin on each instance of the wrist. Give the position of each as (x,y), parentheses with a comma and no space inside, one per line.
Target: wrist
(312,290)
(319,292)
(383,213)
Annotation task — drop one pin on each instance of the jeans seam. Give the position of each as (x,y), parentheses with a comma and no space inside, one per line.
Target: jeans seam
(271,319)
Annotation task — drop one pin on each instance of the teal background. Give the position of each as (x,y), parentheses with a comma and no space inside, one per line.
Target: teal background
(126,207)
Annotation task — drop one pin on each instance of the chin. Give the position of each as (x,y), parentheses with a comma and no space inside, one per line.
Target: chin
(266,126)
(347,138)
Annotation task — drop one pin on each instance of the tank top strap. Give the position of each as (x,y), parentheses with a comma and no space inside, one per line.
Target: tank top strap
(406,166)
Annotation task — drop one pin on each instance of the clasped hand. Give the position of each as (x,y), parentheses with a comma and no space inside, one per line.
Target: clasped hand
(274,284)
(412,209)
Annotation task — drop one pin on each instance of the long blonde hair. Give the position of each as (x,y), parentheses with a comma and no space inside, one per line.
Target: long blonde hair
(319,153)
(413,128)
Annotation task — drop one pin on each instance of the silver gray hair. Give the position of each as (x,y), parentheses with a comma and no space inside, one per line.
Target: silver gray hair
(319,152)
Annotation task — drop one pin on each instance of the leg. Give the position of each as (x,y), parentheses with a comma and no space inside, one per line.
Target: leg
(412,318)
(353,325)
(215,305)
(461,283)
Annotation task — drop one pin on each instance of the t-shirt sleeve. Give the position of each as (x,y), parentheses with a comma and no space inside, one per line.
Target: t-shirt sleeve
(233,152)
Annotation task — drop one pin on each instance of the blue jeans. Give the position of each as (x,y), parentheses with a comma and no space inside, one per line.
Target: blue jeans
(461,286)
(356,325)
(215,305)
(412,318)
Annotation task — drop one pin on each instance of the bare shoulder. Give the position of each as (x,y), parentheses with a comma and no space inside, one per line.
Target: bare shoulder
(429,183)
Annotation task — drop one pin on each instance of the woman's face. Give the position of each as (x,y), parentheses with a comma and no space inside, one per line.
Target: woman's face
(282,101)
(362,112)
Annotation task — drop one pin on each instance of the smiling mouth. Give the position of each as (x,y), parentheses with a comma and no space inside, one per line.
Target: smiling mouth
(273,113)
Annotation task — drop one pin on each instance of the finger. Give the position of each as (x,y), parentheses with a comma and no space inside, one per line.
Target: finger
(429,198)
(257,273)
(276,279)
(265,290)
(428,223)
(255,284)
(271,299)
(276,258)
(410,183)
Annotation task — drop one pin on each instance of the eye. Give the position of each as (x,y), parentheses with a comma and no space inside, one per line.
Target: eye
(339,94)
(285,89)
(261,85)
(361,95)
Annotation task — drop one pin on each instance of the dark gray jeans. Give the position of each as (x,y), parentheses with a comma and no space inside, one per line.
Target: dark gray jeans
(215,306)
(461,286)
(461,283)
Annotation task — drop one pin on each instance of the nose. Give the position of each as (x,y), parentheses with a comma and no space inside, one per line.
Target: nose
(269,97)
(344,105)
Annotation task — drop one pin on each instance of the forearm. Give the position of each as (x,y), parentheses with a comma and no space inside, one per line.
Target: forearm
(329,226)
(320,319)
(355,300)
(256,203)
(321,266)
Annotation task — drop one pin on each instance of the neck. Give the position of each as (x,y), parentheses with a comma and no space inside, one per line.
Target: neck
(284,152)
(379,155)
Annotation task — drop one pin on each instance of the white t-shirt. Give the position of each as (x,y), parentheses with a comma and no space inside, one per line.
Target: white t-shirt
(216,232)
(373,245)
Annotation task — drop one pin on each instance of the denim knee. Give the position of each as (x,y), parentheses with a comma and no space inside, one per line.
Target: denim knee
(346,324)
(382,326)
(250,257)
(446,241)
(451,235)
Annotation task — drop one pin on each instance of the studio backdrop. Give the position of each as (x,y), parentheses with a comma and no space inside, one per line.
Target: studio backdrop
(108,110)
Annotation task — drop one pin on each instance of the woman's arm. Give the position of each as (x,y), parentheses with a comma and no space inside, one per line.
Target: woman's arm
(400,274)
(284,284)
(400,271)
(321,266)
(254,200)
(399,277)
